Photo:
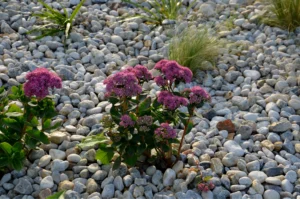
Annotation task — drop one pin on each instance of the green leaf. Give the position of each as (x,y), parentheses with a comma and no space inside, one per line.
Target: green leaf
(46,124)
(15,90)
(17,163)
(130,159)
(115,114)
(14,108)
(165,147)
(17,147)
(58,195)
(13,114)
(144,105)
(91,141)
(6,147)
(117,163)
(34,122)
(113,100)
(105,155)
(189,127)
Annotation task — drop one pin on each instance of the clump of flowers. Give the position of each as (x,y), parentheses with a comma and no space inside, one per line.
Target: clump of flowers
(172,72)
(141,72)
(39,81)
(197,95)
(126,121)
(165,131)
(171,101)
(123,84)
(143,124)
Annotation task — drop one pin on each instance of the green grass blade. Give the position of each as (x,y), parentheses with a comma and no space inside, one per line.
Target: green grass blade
(74,13)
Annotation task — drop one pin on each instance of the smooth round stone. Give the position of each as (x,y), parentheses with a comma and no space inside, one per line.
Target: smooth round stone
(258,175)
(271,194)
(287,186)
(47,182)
(57,154)
(74,158)
(45,160)
(151,170)
(245,181)
(169,177)
(273,180)
(291,176)
(234,147)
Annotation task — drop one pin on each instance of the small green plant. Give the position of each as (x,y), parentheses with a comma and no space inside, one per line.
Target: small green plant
(139,124)
(161,10)
(193,48)
(56,22)
(58,195)
(25,115)
(282,13)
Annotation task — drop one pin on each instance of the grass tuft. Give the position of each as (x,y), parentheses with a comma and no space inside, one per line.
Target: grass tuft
(282,13)
(161,10)
(56,22)
(195,49)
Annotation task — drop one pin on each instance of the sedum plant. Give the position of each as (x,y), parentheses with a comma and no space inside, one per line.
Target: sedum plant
(56,21)
(193,48)
(141,125)
(161,10)
(282,13)
(25,116)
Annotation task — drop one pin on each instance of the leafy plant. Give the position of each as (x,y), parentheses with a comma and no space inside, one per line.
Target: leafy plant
(56,21)
(193,48)
(58,195)
(161,10)
(141,125)
(282,13)
(23,123)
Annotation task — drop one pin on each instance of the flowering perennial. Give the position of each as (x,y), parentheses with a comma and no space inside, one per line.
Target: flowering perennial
(172,71)
(165,131)
(39,81)
(126,121)
(171,101)
(197,95)
(141,72)
(144,123)
(123,84)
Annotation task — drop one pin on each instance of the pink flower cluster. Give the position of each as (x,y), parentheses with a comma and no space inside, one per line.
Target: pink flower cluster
(171,71)
(123,84)
(197,95)
(165,131)
(205,187)
(39,81)
(141,72)
(171,101)
(126,121)
(144,123)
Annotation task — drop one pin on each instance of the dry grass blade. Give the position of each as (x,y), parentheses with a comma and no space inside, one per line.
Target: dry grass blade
(282,13)
(193,48)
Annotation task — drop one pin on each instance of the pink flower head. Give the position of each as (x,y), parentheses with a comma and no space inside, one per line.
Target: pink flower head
(197,95)
(126,121)
(171,101)
(172,71)
(165,131)
(123,84)
(39,81)
(141,72)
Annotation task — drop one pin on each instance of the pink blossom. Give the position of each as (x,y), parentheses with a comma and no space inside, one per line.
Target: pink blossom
(126,121)
(141,72)
(197,95)
(39,81)
(123,84)
(165,131)
(171,101)
(171,71)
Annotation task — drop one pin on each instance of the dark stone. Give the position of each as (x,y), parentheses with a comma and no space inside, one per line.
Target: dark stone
(205,164)
(275,171)
(209,114)
(288,146)
(274,187)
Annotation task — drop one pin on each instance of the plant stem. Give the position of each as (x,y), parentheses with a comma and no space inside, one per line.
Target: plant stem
(184,133)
